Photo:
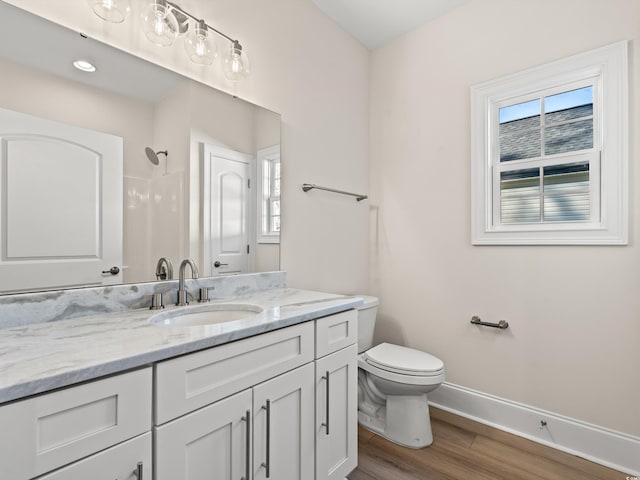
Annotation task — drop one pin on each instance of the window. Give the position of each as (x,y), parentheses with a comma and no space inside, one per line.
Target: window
(549,153)
(547,161)
(269,195)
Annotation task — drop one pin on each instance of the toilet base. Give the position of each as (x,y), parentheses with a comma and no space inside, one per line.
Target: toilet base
(404,420)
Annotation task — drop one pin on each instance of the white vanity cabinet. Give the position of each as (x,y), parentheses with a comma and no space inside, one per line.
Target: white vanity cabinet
(336,379)
(265,430)
(281,405)
(259,433)
(278,405)
(43,433)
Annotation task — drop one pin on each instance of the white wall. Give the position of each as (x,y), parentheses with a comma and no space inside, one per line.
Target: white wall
(169,200)
(267,134)
(574,312)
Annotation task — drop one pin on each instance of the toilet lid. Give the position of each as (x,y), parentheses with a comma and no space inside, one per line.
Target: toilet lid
(403,360)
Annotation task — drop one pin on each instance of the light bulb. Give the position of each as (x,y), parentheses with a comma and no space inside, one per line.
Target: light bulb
(236,63)
(199,46)
(114,11)
(159,23)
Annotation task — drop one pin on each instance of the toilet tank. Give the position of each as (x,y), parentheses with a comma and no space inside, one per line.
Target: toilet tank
(366,322)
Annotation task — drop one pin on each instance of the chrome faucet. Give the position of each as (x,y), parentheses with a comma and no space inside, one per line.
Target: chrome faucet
(164,269)
(182,293)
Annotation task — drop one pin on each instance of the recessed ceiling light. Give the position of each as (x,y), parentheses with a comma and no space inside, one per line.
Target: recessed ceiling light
(84,66)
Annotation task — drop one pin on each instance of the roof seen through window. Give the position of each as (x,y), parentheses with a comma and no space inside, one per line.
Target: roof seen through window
(553,103)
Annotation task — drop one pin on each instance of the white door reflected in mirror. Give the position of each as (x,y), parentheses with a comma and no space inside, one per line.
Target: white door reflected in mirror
(62,218)
(226,209)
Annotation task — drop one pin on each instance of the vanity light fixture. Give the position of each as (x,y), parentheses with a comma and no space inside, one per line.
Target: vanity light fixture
(114,11)
(159,23)
(84,66)
(236,63)
(163,21)
(199,46)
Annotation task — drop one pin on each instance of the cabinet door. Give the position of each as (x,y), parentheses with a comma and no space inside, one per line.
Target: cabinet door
(130,460)
(337,414)
(211,443)
(283,426)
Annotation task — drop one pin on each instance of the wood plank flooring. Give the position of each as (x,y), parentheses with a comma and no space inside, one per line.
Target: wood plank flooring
(464,450)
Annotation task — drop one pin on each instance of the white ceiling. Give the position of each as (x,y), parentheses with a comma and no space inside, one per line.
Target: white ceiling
(377,22)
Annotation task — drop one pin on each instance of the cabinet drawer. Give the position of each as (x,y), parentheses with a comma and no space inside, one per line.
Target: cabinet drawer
(117,462)
(198,379)
(336,332)
(54,429)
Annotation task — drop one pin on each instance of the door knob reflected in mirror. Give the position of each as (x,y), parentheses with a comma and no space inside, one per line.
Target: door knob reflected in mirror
(217,264)
(112,271)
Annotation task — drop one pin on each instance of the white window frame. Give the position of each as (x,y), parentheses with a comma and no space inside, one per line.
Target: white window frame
(263,155)
(607,68)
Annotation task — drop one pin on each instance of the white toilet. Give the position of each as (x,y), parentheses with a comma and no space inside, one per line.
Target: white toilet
(393,383)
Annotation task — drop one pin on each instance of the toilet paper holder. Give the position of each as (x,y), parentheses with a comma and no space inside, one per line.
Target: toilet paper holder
(502,324)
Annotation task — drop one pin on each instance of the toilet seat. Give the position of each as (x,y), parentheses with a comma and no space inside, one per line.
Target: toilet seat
(403,360)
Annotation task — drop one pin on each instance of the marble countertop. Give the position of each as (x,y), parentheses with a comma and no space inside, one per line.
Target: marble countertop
(44,356)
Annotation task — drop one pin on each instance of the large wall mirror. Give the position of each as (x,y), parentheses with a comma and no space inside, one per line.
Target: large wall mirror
(103,173)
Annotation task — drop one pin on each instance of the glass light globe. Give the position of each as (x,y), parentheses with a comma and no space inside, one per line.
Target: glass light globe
(114,11)
(236,63)
(199,45)
(159,23)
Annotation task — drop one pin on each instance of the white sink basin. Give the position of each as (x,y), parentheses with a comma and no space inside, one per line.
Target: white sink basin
(204,315)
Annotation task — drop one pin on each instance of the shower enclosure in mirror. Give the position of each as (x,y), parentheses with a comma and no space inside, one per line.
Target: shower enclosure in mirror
(103,173)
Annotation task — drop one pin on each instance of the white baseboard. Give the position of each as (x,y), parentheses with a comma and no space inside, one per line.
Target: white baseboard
(600,445)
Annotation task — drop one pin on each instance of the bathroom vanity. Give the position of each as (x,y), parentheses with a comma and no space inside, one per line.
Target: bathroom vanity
(119,396)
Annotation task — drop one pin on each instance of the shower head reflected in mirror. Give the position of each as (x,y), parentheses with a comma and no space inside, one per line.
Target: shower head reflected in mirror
(152,155)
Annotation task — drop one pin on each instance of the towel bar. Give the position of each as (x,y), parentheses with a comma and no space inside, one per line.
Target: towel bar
(309,186)
(502,324)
